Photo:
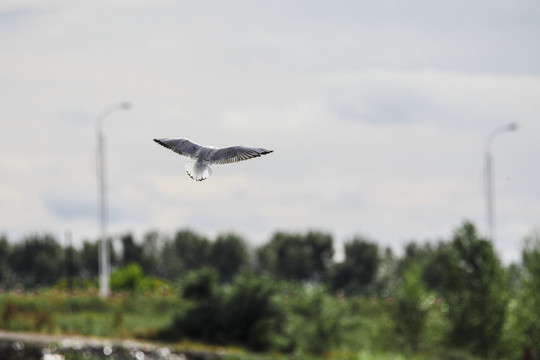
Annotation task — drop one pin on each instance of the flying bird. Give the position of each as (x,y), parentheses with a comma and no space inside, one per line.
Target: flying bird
(205,156)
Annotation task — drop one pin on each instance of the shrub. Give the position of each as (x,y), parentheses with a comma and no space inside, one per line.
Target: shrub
(478,301)
(251,314)
(201,319)
(319,321)
(411,308)
(246,313)
(127,278)
(200,284)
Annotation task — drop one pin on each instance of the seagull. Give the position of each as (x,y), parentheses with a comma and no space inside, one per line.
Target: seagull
(205,156)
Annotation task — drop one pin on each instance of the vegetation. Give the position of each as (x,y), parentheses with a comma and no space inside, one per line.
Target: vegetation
(449,300)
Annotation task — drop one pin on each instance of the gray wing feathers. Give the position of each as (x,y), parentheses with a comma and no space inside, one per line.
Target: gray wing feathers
(237,153)
(183,147)
(212,155)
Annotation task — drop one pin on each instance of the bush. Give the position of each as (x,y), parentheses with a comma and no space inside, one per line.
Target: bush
(127,278)
(200,284)
(478,302)
(251,314)
(245,314)
(412,303)
(319,322)
(150,285)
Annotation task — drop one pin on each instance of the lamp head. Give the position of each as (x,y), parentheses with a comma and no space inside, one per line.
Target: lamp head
(512,126)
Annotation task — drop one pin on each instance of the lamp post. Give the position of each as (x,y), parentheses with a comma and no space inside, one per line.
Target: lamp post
(490,203)
(104,261)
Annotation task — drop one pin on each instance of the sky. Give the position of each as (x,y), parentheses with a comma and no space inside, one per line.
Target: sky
(378,114)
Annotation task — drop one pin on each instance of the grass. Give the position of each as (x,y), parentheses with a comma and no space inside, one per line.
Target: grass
(85,313)
(136,316)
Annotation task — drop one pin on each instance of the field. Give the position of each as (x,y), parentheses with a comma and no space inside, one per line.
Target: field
(451,301)
(141,318)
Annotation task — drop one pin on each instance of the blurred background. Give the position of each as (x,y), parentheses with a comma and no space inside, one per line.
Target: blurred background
(378,115)
(382,117)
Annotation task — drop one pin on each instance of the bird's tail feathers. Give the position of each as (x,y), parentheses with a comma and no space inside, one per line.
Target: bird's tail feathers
(198,173)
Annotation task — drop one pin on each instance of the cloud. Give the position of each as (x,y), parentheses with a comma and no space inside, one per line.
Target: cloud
(71,208)
(377,113)
(381,97)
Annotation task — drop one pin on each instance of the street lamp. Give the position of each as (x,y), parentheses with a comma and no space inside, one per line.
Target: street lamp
(490,204)
(104,261)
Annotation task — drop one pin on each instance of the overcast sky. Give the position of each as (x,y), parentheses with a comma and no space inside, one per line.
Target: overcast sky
(377,112)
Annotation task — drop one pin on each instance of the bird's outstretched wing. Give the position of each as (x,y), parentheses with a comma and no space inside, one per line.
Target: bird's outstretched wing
(181,146)
(233,154)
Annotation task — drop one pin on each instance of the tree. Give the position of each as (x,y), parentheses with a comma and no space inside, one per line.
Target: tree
(359,268)
(72,266)
(202,319)
(251,314)
(37,261)
(131,251)
(441,272)
(246,312)
(319,322)
(151,248)
(89,259)
(297,257)
(529,301)
(411,308)
(200,285)
(415,254)
(6,275)
(228,255)
(322,252)
(477,297)
(187,251)
(285,257)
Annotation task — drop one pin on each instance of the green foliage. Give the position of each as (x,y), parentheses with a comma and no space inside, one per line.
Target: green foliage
(477,302)
(252,315)
(201,319)
(524,310)
(187,251)
(128,277)
(297,257)
(446,300)
(412,304)
(441,273)
(131,251)
(200,284)
(245,313)
(85,313)
(150,285)
(152,263)
(89,259)
(24,316)
(359,269)
(229,255)
(375,326)
(6,274)
(318,321)
(37,261)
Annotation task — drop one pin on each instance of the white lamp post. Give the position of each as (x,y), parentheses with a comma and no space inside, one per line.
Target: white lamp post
(104,261)
(490,203)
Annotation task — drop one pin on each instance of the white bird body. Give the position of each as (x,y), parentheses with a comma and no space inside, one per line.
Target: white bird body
(205,156)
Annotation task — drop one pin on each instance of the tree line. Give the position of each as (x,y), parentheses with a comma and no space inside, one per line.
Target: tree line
(40,260)
(488,306)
